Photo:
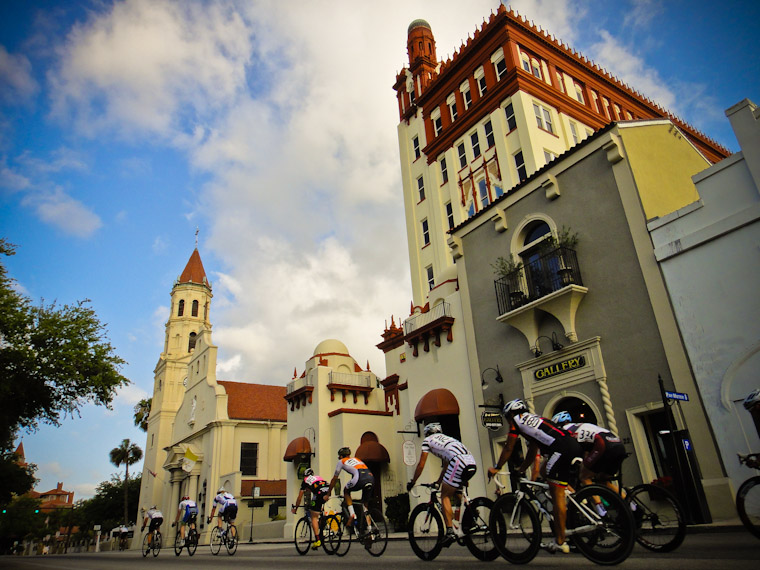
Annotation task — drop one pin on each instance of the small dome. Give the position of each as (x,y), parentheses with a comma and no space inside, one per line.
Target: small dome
(330,346)
(419,23)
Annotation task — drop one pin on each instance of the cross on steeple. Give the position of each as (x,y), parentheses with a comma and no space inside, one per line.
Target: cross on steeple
(196,236)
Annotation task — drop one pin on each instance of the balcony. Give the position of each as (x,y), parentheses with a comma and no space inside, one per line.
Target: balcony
(350,384)
(551,282)
(299,392)
(429,325)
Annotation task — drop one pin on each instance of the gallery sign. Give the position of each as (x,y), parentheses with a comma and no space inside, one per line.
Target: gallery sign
(560,368)
(492,420)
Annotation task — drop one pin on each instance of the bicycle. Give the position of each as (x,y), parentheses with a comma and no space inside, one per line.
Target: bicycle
(748,496)
(153,543)
(190,543)
(605,535)
(226,537)
(426,526)
(303,536)
(338,537)
(123,541)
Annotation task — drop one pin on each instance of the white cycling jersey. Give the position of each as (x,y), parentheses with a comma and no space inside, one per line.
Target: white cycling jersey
(224,500)
(443,446)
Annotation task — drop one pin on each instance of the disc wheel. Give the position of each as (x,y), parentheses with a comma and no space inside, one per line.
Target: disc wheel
(376,540)
(658,516)
(178,544)
(231,540)
(192,541)
(477,536)
(426,531)
(748,505)
(515,529)
(216,541)
(304,536)
(606,539)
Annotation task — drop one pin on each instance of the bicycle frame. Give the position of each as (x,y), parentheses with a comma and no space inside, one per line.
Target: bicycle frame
(436,503)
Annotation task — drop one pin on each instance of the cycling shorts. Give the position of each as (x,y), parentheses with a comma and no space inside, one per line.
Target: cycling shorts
(155,523)
(559,460)
(611,460)
(364,483)
(229,513)
(190,515)
(460,469)
(318,498)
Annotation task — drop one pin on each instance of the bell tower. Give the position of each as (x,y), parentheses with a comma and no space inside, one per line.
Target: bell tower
(188,317)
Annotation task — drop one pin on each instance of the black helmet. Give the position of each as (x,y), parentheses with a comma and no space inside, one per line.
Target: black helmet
(308,473)
(344,452)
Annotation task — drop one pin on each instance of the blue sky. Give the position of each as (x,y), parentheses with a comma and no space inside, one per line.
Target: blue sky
(270,126)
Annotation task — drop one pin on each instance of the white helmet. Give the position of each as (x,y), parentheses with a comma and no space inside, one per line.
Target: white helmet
(514,407)
(752,399)
(432,428)
(221,490)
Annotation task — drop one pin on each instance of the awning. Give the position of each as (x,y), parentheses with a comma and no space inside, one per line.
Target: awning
(298,446)
(373,451)
(438,402)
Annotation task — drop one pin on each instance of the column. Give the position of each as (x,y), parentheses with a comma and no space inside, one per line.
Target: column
(176,481)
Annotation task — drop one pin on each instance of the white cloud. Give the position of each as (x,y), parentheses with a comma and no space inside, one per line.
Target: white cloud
(129,395)
(642,12)
(16,82)
(57,208)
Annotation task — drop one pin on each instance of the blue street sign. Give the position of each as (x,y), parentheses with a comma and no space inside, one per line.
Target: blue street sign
(687,445)
(676,396)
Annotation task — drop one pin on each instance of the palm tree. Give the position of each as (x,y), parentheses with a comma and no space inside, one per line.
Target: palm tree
(142,411)
(127,453)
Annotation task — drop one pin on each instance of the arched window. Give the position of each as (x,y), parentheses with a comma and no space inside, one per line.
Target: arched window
(195,308)
(539,268)
(191,342)
(181,310)
(579,410)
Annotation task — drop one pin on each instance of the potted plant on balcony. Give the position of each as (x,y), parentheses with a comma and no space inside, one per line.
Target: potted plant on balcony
(509,268)
(564,240)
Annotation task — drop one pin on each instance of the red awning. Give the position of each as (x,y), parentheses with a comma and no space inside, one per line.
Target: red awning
(298,446)
(373,451)
(438,402)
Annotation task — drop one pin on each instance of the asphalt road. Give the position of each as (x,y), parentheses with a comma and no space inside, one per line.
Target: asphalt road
(734,550)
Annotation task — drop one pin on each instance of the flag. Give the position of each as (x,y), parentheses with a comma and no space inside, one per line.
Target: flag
(189,460)
(153,473)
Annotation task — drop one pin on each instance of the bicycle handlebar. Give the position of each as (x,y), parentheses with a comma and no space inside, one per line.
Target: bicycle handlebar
(431,486)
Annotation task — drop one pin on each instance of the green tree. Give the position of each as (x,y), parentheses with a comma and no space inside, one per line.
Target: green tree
(15,479)
(108,500)
(20,519)
(53,360)
(127,453)
(142,412)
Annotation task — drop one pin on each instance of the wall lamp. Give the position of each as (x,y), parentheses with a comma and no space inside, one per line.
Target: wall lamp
(555,344)
(497,376)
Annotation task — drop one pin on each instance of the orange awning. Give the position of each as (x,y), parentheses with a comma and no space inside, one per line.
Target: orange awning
(298,446)
(373,451)
(438,402)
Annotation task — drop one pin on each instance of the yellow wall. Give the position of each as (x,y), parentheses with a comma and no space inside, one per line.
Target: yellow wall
(663,162)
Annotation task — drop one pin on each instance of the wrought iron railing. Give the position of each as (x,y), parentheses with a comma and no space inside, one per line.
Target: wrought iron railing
(552,271)
(418,321)
(363,379)
(298,383)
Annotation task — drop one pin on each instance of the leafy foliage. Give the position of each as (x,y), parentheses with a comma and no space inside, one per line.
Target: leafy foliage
(15,479)
(53,360)
(142,412)
(105,507)
(503,266)
(126,454)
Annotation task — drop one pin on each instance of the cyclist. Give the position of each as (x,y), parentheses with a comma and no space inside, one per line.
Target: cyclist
(123,536)
(458,468)
(227,509)
(604,452)
(187,513)
(361,480)
(155,517)
(318,491)
(752,405)
(559,446)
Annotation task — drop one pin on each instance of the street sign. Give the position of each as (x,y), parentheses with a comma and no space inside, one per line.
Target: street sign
(676,396)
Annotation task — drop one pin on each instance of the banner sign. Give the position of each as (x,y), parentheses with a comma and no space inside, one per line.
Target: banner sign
(560,368)
(410,453)
(677,396)
(492,420)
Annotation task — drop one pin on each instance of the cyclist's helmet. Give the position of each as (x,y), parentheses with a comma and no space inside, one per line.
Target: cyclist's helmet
(514,407)
(562,418)
(344,452)
(308,473)
(752,399)
(432,428)
(221,490)
(153,508)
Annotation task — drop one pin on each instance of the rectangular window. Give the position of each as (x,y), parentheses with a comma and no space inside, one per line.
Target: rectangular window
(430,277)
(543,118)
(522,174)
(249,458)
(466,95)
(483,192)
(536,68)
(548,119)
(444,170)
(525,62)
(416,146)
(450,215)
(574,132)
(489,134)
(462,155)
(510,113)
(481,79)
(579,94)
(501,68)
(425,232)
(475,144)
(451,101)
(421,188)
(437,125)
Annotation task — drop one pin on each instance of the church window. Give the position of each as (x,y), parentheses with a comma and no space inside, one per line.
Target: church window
(195,308)
(191,343)
(249,458)
(181,309)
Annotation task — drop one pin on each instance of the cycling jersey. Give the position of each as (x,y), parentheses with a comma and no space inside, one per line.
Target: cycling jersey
(318,488)
(227,506)
(605,451)
(189,510)
(156,517)
(460,465)
(559,446)
(352,466)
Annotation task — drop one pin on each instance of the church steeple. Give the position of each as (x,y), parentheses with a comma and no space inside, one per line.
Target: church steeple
(194,271)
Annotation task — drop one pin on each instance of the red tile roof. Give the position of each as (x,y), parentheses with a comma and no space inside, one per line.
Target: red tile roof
(255,401)
(194,272)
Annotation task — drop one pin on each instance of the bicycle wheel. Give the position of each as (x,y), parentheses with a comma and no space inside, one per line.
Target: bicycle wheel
(192,541)
(426,531)
(156,542)
(658,517)
(216,541)
(604,539)
(346,535)
(304,535)
(477,536)
(376,539)
(178,544)
(330,534)
(231,539)
(146,546)
(748,504)
(515,529)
